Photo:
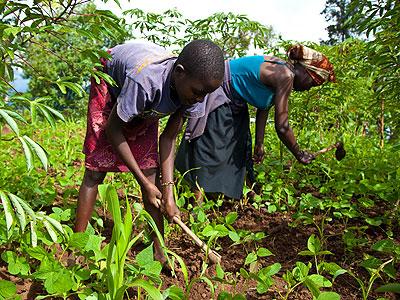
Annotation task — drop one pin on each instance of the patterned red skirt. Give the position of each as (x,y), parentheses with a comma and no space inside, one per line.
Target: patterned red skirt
(141,135)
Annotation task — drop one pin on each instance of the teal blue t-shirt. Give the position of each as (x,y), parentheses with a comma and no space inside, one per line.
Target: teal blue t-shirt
(245,80)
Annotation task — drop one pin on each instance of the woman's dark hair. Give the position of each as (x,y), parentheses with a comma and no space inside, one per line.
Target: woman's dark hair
(202,59)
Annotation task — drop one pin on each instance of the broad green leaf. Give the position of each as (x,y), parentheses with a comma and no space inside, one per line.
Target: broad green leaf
(231,218)
(58,282)
(224,296)
(39,151)
(244,273)
(328,296)
(50,230)
(338,273)
(390,287)
(55,224)
(301,270)
(33,233)
(222,230)
(329,267)
(27,153)
(312,286)
(314,244)
(38,253)
(320,281)
(78,240)
(219,271)
(47,116)
(153,270)
(384,246)
(20,213)
(173,293)
(306,253)
(7,289)
(82,274)
(201,216)
(263,252)
(271,270)
(251,257)
(11,30)
(371,263)
(8,211)
(26,207)
(16,265)
(10,121)
(145,256)
(234,236)
(209,231)
(374,221)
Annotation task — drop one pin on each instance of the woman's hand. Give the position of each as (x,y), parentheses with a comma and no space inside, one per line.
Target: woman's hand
(168,205)
(258,156)
(305,157)
(153,194)
(170,209)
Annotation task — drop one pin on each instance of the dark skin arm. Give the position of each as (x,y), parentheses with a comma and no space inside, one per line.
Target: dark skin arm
(167,157)
(261,121)
(281,79)
(117,139)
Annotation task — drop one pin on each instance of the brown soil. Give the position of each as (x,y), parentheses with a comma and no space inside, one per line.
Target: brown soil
(282,239)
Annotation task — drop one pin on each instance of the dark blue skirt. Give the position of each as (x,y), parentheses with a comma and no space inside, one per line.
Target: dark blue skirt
(216,160)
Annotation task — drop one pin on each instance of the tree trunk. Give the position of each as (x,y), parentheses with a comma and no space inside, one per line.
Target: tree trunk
(382,123)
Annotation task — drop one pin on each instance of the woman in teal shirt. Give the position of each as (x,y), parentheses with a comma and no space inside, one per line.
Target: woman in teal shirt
(214,147)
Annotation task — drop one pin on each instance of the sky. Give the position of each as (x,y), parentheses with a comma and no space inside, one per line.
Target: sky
(299,20)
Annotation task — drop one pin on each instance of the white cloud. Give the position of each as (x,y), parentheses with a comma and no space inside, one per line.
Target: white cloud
(294,19)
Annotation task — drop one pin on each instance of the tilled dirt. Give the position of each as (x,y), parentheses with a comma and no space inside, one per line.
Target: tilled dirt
(281,238)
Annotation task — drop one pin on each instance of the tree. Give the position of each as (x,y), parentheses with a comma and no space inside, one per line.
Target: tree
(380,21)
(337,12)
(235,34)
(21,25)
(53,55)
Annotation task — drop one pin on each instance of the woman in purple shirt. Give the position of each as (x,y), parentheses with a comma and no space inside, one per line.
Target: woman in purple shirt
(122,131)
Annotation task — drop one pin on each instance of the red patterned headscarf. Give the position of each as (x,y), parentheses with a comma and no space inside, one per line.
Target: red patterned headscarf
(315,63)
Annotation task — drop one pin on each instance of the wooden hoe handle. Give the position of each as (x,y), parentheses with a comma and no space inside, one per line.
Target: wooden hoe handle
(212,255)
(327,149)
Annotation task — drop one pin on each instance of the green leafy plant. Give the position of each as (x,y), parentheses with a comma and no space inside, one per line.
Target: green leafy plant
(8,290)
(263,276)
(118,248)
(17,211)
(314,249)
(314,282)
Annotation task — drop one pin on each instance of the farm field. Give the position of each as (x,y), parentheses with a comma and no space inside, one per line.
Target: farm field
(295,225)
(327,228)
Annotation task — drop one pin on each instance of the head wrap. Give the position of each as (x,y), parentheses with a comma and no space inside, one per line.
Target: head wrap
(316,64)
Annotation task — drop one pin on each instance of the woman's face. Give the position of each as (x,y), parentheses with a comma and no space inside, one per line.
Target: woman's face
(191,90)
(302,80)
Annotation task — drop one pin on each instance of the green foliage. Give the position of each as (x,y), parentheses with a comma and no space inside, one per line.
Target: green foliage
(118,248)
(235,34)
(8,290)
(63,57)
(58,46)
(380,21)
(337,13)
(16,265)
